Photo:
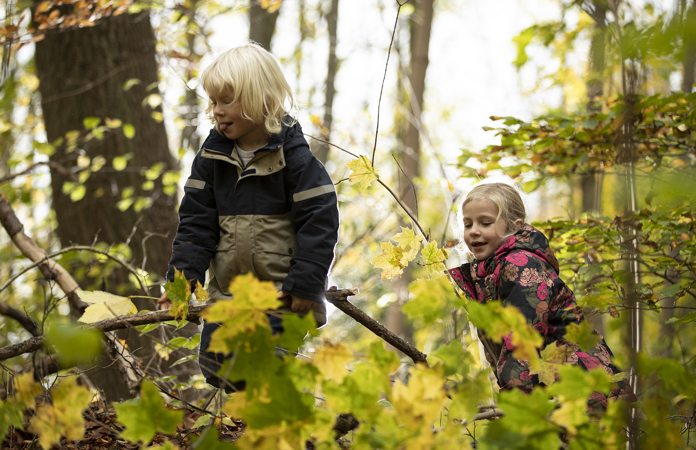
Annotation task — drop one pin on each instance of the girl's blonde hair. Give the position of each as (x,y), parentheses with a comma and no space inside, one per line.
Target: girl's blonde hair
(254,79)
(505,197)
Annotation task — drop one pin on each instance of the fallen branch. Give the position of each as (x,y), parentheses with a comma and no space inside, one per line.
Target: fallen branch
(50,269)
(339,298)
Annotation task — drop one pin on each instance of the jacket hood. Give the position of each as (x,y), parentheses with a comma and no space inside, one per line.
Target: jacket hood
(290,137)
(527,239)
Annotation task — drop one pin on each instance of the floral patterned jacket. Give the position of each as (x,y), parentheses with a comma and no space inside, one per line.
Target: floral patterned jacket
(523,272)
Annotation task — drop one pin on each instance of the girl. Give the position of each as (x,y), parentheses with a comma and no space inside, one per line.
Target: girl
(514,264)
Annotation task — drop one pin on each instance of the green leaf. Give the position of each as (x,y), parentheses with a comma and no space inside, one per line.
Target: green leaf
(179,292)
(363,172)
(78,193)
(91,122)
(147,415)
(119,163)
(582,334)
(128,131)
(11,415)
(209,440)
(434,258)
(691,317)
(75,345)
(130,83)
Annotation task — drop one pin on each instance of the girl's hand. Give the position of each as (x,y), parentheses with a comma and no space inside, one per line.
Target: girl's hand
(164,302)
(298,304)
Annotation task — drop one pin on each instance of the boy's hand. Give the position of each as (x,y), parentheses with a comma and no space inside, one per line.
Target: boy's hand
(298,304)
(164,302)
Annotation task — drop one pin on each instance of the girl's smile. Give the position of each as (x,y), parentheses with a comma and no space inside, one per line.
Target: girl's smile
(483,229)
(235,126)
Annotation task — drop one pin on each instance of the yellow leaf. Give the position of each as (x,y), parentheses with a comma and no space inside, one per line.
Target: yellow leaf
(331,361)
(419,403)
(64,416)
(571,415)
(389,261)
(252,298)
(105,306)
(434,258)
(27,388)
(409,242)
(363,172)
(201,293)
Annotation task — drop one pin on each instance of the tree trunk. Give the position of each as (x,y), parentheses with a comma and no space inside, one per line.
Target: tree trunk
(261,24)
(322,150)
(689,58)
(420,26)
(82,74)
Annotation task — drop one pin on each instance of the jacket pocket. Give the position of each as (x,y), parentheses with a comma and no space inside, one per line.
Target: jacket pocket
(274,246)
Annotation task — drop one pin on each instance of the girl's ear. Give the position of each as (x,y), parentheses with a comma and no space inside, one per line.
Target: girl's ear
(519,223)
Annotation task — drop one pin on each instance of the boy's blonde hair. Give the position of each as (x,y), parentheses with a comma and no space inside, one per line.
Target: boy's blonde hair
(505,197)
(254,79)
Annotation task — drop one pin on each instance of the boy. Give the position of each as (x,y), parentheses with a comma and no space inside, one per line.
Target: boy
(257,200)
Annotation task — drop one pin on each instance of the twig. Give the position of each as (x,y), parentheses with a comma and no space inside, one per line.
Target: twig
(413,186)
(404,207)
(324,141)
(62,170)
(384,78)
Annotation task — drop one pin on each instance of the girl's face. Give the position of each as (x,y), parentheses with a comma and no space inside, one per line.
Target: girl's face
(482,233)
(231,123)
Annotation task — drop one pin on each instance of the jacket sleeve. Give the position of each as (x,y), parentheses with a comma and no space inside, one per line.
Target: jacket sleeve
(314,215)
(198,232)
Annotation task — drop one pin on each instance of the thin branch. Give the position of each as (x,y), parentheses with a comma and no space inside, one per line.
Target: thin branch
(384,78)
(404,207)
(324,141)
(86,248)
(413,186)
(62,170)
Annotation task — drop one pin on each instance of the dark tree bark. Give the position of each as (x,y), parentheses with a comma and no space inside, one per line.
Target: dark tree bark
(322,150)
(261,24)
(82,74)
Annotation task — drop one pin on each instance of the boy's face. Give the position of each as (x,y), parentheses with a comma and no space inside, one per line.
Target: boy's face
(231,123)
(482,233)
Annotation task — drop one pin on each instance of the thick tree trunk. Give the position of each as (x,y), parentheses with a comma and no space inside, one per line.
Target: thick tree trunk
(82,74)
(421,23)
(261,24)
(322,150)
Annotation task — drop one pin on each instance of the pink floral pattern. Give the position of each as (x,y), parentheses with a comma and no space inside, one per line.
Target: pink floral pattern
(523,272)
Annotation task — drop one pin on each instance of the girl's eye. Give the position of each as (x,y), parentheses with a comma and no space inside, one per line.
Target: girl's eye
(467,225)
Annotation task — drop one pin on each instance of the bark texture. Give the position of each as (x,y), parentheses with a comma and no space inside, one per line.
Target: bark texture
(82,74)
(261,24)
(420,27)
(322,150)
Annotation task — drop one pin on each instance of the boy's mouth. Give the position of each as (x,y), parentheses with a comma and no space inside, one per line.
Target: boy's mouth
(224,126)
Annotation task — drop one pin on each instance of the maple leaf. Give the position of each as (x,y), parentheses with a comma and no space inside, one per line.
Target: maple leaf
(498,321)
(331,361)
(74,344)
(246,311)
(11,415)
(363,172)
(571,415)
(178,291)
(409,242)
(389,261)
(64,416)
(145,416)
(201,293)
(419,402)
(27,388)
(434,258)
(104,305)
